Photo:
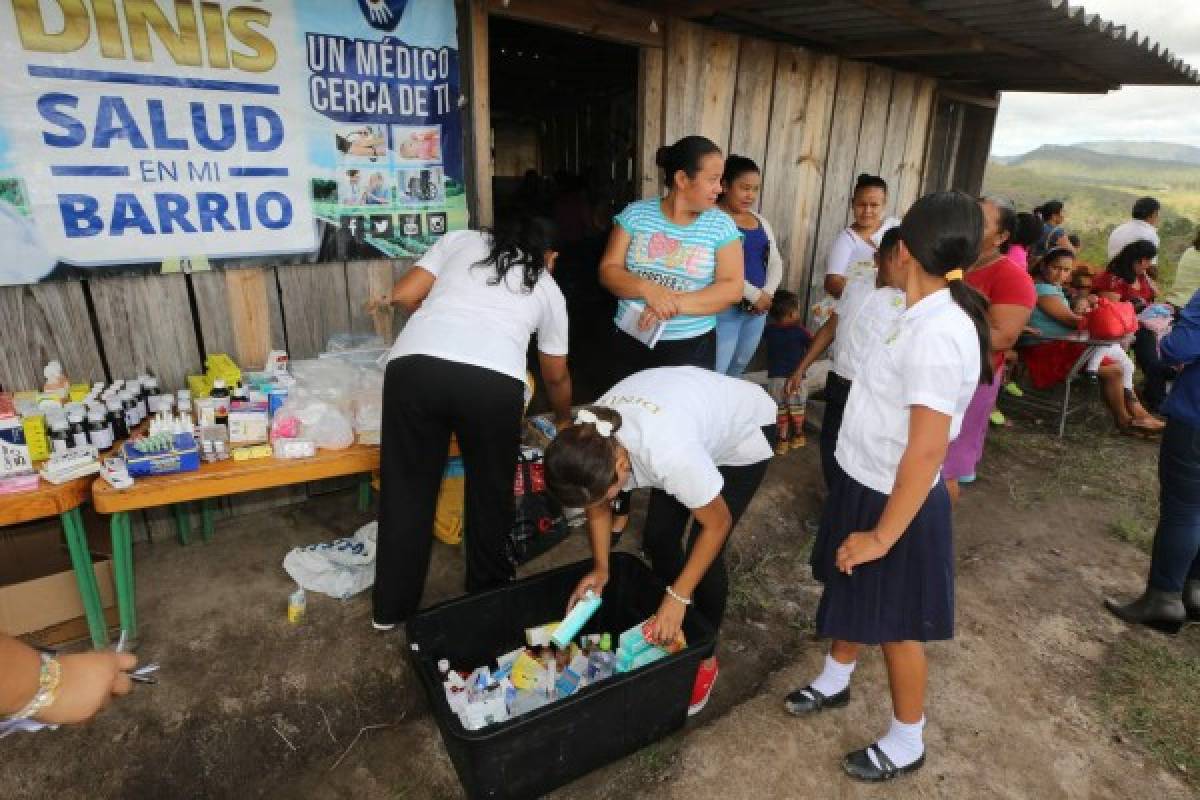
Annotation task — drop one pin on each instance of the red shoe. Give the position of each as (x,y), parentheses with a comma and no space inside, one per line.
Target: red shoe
(705,678)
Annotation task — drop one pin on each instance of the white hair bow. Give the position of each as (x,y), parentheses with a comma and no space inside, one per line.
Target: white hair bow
(585,417)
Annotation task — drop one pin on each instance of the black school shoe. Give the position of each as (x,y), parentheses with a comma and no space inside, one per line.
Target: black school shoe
(858,765)
(808,700)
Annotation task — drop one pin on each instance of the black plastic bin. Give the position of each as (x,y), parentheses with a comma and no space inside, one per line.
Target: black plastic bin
(539,751)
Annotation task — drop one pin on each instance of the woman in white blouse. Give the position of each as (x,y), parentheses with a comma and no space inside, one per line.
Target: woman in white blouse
(853,251)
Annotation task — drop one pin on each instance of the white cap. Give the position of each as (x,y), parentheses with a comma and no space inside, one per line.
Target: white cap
(52,370)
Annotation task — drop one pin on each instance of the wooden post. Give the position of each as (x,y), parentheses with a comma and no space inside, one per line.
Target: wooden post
(649,119)
(481,115)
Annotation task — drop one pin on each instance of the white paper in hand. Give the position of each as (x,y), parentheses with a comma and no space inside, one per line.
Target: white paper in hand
(628,322)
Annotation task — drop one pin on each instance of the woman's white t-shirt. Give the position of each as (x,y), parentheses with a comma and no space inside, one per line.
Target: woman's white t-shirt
(680,423)
(467,319)
(854,257)
(930,358)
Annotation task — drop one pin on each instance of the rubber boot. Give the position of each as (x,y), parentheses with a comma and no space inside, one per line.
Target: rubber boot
(781,430)
(1191,599)
(797,422)
(1162,611)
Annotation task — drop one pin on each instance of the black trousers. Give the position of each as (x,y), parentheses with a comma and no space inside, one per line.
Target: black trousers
(837,390)
(425,399)
(630,356)
(666,523)
(1145,349)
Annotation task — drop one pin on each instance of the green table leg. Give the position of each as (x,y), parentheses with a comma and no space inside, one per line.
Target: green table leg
(206,514)
(183,522)
(122,543)
(85,576)
(364,493)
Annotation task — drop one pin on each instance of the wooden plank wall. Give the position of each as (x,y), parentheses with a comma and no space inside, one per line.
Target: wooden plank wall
(811,121)
(146,322)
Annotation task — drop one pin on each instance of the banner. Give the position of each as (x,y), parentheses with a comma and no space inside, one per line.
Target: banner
(159,135)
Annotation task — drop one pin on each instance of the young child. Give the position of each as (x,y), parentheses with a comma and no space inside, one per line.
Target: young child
(885,547)
(787,341)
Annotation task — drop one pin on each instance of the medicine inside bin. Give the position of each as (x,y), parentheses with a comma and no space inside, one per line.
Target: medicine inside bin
(589,728)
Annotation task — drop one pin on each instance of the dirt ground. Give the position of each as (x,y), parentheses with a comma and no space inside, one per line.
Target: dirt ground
(1021,702)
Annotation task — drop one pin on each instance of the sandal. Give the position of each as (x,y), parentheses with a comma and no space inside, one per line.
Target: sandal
(809,701)
(858,765)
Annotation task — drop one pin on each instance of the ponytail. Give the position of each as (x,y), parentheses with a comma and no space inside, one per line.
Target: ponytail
(943,232)
(581,461)
(976,306)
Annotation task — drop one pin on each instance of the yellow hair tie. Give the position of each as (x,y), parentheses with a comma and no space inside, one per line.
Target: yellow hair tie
(954,275)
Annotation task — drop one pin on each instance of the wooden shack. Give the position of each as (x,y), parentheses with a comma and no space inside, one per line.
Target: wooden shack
(815,91)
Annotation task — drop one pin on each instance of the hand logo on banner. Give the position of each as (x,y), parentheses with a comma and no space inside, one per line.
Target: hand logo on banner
(384,15)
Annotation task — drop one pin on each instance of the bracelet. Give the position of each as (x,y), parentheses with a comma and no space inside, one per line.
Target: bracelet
(49,679)
(686,601)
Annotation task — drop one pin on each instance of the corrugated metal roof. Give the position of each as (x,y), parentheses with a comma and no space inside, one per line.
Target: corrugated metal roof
(1014,45)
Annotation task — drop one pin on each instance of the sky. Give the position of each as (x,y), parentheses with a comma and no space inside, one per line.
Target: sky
(1167,114)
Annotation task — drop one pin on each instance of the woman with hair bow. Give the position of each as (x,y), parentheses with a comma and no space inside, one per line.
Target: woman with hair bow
(701,441)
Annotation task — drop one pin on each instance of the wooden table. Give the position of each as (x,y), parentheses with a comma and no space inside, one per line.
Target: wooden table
(63,500)
(207,483)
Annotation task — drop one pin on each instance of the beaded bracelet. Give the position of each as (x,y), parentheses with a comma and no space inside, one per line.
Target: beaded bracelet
(49,679)
(671,591)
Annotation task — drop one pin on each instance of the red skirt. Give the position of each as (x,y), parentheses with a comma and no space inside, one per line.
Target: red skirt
(1049,363)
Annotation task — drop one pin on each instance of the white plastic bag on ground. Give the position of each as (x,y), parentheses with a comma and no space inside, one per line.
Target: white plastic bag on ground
(340,568)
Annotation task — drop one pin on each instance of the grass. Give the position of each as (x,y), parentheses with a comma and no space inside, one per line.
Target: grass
(1152,691)
(1091,460)
(752,584)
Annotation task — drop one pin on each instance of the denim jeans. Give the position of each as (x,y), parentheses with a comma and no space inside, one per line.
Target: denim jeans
(738,334)
(1176,554)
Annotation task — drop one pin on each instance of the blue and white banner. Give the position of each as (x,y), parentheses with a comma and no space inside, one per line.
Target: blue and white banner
(157,135)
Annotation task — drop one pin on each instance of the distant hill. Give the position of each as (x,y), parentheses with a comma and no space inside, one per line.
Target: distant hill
(1099,189)
(1157,151)
(1142,175)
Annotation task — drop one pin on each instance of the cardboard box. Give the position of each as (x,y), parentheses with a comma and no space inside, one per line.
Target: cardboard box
(38,589)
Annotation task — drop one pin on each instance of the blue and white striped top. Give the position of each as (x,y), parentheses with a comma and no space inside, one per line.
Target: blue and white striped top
(682,258)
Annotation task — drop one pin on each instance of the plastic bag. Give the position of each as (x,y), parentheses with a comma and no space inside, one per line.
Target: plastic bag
(340,568)
(341,342)
(1109,320)
(326,425)
(367,399)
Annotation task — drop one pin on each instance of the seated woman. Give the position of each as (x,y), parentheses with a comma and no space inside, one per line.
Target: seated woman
(1049,363)
(1127,279)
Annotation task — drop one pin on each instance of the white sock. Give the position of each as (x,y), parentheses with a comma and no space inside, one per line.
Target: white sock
(903,743)
(834,678)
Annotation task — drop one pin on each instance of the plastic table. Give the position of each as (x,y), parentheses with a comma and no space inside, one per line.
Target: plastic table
(63,500)
(1090,346)
(206,484)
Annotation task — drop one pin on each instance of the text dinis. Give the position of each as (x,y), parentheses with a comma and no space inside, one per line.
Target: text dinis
(196,35)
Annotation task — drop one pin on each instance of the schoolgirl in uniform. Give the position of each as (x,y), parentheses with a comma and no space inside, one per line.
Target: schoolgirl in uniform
(701,442)
(884,549)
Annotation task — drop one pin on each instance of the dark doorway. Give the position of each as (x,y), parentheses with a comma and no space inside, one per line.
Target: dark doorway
(564,116)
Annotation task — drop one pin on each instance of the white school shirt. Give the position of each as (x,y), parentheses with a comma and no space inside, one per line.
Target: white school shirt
(929,358)
(865,316)
(680,423)
(1129,232)
(468,320)
(853,256)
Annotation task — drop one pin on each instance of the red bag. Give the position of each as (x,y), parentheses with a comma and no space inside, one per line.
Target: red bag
(1109,320)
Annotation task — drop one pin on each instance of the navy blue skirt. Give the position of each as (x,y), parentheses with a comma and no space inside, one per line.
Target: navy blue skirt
(908,595)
